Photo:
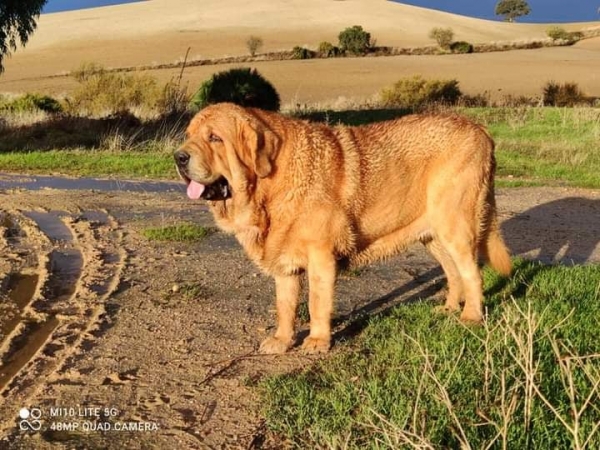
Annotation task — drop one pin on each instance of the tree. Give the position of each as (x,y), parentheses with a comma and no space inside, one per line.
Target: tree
(511,9)
(254,43)
(355,40)
(443,36)
(17,22)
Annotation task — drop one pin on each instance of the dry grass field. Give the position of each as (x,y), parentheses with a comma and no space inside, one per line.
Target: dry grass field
(160,31)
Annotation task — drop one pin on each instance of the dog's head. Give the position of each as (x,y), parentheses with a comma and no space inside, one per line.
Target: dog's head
(227,149)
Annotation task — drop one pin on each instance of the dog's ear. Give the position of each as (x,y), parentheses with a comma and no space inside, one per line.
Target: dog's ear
(260,147)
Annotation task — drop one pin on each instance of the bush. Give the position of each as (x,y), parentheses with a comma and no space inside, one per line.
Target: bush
(328,50)
(557,33)
(566,94)
(575,36)
(417,92)
(461,47)
(31,102)
(355,40)
(475,101)
(102,92)
(174,99)
(302,53)
(243,86)
(443,36)
(87,70)
(254,44)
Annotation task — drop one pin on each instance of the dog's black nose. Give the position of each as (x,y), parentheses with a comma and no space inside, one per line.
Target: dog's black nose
(181,158)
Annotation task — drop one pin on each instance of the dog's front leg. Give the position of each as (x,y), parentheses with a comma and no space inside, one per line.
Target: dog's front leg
(287,289)
(321,284)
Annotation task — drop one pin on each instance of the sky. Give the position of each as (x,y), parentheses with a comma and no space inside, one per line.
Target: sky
(541,10)
(544,11)
(67,5)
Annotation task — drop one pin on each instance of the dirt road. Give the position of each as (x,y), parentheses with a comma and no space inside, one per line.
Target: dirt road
(111,341)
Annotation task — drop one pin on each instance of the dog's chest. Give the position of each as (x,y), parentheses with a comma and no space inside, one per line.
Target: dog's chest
(272,255)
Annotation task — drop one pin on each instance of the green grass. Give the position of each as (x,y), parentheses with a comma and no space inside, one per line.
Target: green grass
(91,163)
(535,146)
(416,379)
(184,232)
(545,145)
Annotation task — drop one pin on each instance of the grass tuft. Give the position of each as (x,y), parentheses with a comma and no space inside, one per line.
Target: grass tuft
(185,232)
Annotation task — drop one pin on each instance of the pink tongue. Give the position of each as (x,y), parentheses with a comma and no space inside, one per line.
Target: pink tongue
(195,190)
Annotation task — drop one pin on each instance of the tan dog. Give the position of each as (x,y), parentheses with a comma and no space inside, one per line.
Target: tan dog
(300,196)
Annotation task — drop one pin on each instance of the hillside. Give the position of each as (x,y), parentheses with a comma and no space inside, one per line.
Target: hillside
(160,31)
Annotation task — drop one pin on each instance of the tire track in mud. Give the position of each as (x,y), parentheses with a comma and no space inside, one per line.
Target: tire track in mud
(62,269)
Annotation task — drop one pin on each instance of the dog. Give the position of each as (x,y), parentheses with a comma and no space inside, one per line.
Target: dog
(300,197)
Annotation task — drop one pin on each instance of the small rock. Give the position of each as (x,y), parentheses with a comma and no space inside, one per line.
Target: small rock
(175,288)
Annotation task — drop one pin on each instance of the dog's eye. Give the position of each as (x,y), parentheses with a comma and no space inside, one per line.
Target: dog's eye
(214,138)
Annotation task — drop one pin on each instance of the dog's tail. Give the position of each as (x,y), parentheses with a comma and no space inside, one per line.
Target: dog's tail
(496,253)
(492,246)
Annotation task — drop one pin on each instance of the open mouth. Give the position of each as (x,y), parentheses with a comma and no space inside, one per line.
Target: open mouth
(218,190)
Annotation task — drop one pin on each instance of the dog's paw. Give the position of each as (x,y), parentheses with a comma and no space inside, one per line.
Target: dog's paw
(469,316)
(274,346)
(447,310)
(314,345)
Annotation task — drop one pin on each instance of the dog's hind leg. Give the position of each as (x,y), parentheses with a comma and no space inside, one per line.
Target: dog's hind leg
(455,285)
(461,244)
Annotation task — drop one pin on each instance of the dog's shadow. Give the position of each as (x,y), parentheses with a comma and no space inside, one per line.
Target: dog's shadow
(424,286)
(565,231)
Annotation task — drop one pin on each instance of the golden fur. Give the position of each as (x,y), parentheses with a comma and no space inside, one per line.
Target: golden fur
(305,195)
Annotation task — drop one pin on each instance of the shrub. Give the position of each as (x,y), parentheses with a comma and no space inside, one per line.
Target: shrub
(328,50)
(518,101)
(243,86)
(417,92)
(355,40)
(475,101)
(461,47)
(87,70)
(174,99)
(102,92)
(254,44)
(443,36)
(302,53)
(566,94)
(557,33)
(575,36)
(31,102)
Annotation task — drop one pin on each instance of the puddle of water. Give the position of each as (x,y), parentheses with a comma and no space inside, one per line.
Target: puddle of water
(32,340)
(21,289)
(66,265)
(95,216)
(51,225)
(11,228)
(65,270)
(34,183)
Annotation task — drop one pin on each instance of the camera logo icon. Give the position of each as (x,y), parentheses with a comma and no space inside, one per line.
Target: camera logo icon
(30,419)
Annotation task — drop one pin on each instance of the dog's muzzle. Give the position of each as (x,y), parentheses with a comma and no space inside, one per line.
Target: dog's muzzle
(182,158)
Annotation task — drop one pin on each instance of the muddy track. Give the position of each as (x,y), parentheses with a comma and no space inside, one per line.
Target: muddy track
(62,267)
